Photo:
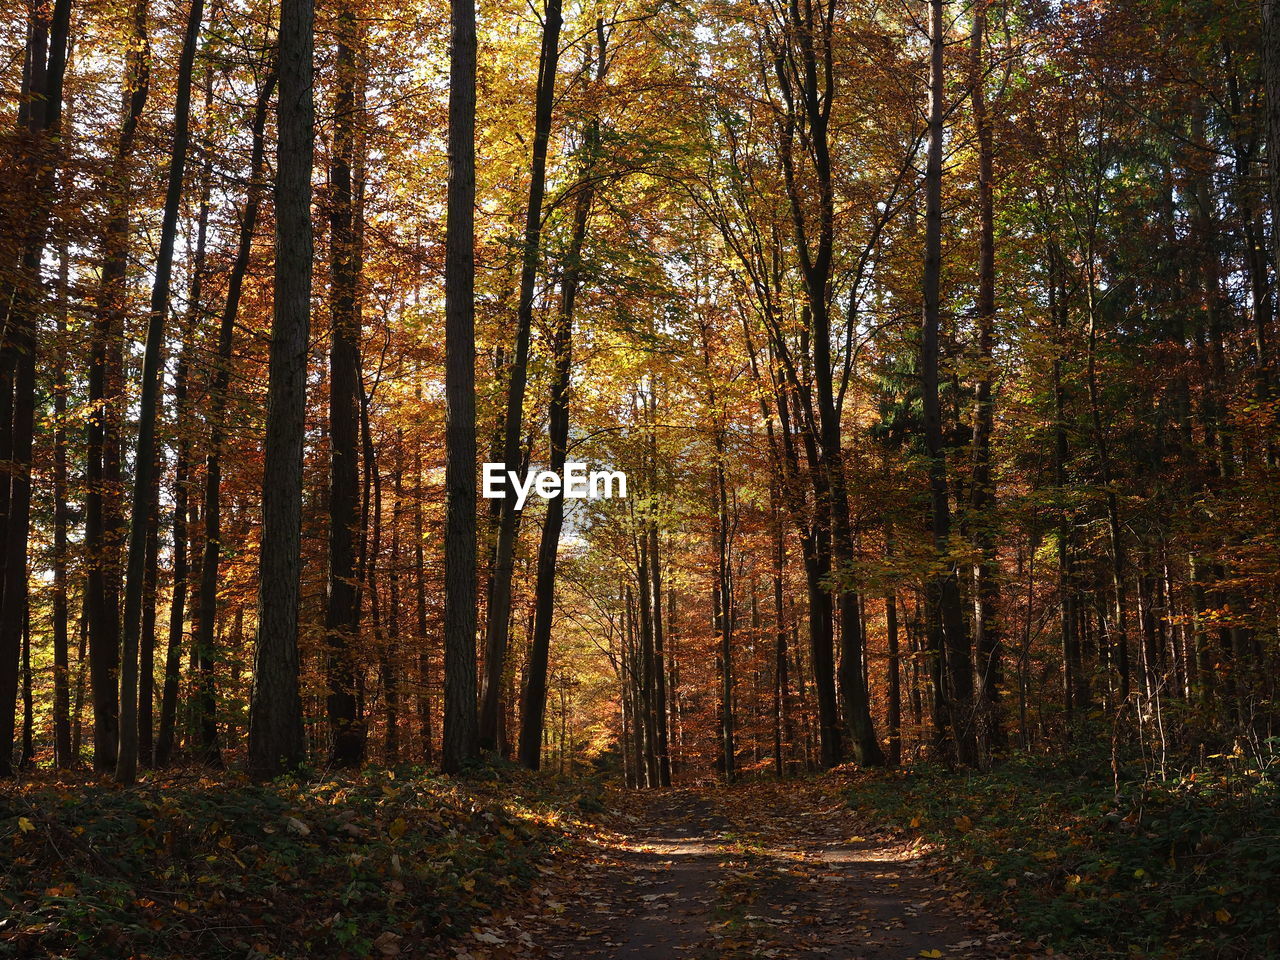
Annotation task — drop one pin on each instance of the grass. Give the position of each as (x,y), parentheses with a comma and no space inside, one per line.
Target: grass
(340,867)
(1099,866)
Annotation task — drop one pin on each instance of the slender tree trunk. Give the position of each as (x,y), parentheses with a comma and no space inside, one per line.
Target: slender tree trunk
(1075,688)
(27,758)
(986,590)
(206,606)
(342,615)
(1120,643)
(77,703)
(391,656)
(660,660)
(420,591)
(497,626)
(182,467)
(275,717)
(949,627)
(807,81)
(533,703)
(783,732)
(148,408)
(648,661)
(147,636)
(461,731)
(42,115)
(1271,84)
(102,527)
(63,757)
(181,573)
(724,614)
(895,679)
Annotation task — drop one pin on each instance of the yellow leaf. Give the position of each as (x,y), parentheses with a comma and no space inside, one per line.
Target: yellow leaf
(25,825)
(397,828)
(915,822)
(931,953)
(1222,915)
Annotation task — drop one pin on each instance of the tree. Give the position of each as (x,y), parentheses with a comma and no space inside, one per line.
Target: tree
(145,455)
(342,614)
(948,628)
(275,719)
(40,118)
(103,520)
(461,732)
(498,622)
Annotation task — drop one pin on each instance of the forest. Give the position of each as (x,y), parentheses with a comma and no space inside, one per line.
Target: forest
(937,612)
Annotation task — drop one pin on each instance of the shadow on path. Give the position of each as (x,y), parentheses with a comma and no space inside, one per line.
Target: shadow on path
(765,870)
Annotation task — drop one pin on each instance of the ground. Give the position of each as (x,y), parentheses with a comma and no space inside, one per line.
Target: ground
(761,870)
(1093,861)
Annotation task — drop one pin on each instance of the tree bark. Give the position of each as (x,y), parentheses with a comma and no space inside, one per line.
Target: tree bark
(949,625)
(102,468)
(63,757)
(420,598)
(342,613)
(533,702)
(497,624)
(46,59)
(275,716)
(461,731)
(148,407)
(986,589)
(206,606)
(1271,84)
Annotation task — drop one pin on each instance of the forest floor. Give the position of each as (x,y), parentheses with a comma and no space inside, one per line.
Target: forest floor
(1083,856)
(763,870)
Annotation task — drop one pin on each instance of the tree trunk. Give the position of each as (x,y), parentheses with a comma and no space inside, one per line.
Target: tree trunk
(147,636)
(391,656)
(342,612)
(63,757)
(206,606)
(181,573)
(659,658)
(275,716)
(986,590)
(723,610)
(949,626)
(497,625)
(533,703)
(461,732)
(420,591)
(47,54)
(148,408)
(1271,84)
(27,758)
(102,468)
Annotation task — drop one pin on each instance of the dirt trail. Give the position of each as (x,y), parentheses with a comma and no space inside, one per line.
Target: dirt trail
(769,871)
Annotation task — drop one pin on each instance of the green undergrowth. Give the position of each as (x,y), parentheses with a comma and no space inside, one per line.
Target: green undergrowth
(369,865)
(1185,867)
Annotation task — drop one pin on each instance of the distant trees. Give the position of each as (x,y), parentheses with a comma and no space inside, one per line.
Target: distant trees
(943,381)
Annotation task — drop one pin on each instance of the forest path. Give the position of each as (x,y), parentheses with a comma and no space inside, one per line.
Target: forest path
(769,870)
